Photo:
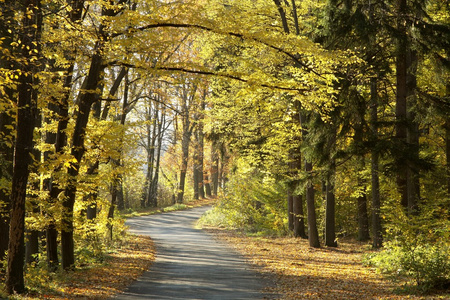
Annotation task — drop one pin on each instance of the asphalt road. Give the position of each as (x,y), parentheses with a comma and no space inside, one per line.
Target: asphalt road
(190,264)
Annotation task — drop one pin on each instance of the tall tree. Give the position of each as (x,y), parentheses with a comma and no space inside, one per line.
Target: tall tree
(187,95)
(30,34)
(6,123)
(87,97)
(60,108)
(406,127)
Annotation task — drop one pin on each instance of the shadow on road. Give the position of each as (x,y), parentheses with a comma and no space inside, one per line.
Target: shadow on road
(190,264)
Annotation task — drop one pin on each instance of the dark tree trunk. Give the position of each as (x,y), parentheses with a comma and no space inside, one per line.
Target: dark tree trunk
(27,106)
(62,111)
(412,174)
(363,218)
(330,211)
(330,199)
(184,162)
(152,138)
(201,138)
(290,204)
(297,198)
(6,170)
(299,217)
(330,216)
(406,127)
(447,145)
(376,200)
(82,117)
(313,234)
(154,186)
(31,246)
(7,11)
(207,184)
(401,101)
(87,97)
(214,168)
(195,171)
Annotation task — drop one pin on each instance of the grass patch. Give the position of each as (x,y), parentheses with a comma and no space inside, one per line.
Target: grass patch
(137,212)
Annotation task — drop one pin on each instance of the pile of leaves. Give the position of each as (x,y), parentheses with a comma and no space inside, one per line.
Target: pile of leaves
(302,272)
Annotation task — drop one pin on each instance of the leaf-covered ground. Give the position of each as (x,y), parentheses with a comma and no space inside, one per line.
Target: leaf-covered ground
(101,281)
(301,272)
(296,270)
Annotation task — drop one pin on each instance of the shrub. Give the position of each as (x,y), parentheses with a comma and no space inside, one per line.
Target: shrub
(427,265)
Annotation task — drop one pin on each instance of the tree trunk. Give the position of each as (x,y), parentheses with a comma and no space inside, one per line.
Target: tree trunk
(330,216)
(313,234)
(401,101)
(152,138)
(195,171)
(447,145)
(201,138)
(27,106)
(77,151)
(6,171)
(184,163)
(299,217)
(207,184)
(7,11)
(376,200)
(330,212)
(363,218)
(214,168)
(290,206)
(412,174)
(406,127)
(62,111)
(154,187)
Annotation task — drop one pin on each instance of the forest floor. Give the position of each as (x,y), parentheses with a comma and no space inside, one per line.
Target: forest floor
(301,272)
(296,270)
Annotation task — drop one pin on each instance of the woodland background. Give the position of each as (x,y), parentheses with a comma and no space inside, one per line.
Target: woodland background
(317,119)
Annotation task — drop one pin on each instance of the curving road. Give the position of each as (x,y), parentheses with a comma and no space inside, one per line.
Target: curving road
(190,264)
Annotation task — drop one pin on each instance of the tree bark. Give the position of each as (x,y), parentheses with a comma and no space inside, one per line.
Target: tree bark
(207,184)
(77,151)
(401,101)
(214,168)
(195,171)
(6,171)
(60,140)
(6,131)
(290,206)
(151,144)
(412,174)
(184,162)
(376,199)
(447,144)
(313,234)
(27,106)
(330,216)
(406,127)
